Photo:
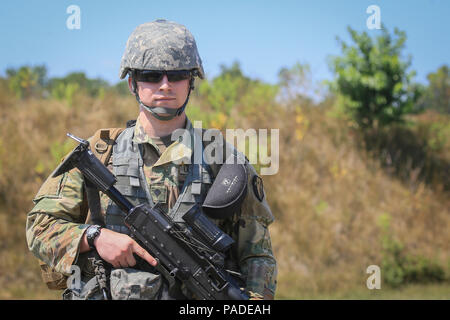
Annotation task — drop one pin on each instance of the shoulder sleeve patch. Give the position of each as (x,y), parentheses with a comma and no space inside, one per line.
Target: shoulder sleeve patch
(255,203)
(258,187)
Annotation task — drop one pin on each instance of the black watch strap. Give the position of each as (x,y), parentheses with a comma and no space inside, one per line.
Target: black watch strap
(91,233)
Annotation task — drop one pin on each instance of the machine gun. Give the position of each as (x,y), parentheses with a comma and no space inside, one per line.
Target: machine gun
(193,253)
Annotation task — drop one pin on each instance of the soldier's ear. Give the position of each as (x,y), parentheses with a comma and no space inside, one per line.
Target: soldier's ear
(131,84)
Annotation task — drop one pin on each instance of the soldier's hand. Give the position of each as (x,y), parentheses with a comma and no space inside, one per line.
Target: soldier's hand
(117,249)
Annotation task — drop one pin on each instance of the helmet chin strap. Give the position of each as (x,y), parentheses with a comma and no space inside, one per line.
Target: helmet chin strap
(155,111)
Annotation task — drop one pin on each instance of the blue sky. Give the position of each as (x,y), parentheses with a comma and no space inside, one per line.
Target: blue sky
(263,36)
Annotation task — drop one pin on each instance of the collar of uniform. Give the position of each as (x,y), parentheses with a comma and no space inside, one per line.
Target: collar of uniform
(178,152)
(140,136)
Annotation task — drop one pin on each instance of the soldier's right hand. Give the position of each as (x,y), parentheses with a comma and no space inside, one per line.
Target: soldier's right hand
(117,249)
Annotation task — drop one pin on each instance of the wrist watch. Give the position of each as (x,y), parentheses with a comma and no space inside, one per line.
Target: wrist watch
(91,233)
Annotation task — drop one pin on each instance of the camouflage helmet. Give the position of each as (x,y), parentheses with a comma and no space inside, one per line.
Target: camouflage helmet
(161,45)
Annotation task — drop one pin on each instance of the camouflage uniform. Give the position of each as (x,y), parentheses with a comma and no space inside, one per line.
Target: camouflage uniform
(57,222)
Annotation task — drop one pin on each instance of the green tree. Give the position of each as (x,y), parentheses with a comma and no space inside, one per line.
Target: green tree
(437,93)
(61,88)
(121,88)
(225,90)
(372,79)
(297,86)
(26,81)
(229,94)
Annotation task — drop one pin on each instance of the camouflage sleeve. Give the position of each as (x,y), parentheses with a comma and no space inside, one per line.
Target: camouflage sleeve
(255,254)
(55,225)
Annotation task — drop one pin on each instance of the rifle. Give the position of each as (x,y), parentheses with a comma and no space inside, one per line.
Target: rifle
(193,253)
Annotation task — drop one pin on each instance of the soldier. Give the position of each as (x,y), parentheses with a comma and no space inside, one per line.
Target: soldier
(161,61)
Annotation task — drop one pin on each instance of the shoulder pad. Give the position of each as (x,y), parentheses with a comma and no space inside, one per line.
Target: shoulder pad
(102,142)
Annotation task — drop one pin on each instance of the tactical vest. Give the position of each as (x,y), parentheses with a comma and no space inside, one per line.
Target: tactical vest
(127,163)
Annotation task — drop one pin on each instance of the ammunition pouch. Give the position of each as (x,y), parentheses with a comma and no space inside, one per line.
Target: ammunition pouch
(132,284)
(124,284)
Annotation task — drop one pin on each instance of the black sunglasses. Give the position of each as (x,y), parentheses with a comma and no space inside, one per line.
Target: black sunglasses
(156,76)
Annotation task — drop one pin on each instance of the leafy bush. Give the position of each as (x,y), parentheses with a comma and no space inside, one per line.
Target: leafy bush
(372,79)
(437,94)
(398,267)
(26,81)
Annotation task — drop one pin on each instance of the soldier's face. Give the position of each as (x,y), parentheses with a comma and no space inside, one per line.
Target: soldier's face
(164,93)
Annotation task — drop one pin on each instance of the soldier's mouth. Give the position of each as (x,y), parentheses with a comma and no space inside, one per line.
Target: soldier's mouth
(164,99)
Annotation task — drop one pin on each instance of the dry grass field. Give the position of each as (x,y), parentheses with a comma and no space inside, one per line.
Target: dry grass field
(341,201)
